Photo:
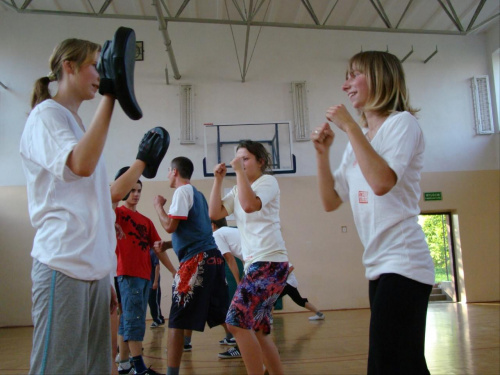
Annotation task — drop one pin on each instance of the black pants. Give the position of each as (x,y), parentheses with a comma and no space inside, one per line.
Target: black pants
(294,295)
(397,325)
(154,305)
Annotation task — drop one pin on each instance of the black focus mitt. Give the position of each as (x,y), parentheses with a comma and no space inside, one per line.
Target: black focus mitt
(118,174)
(116,69)
(152,149)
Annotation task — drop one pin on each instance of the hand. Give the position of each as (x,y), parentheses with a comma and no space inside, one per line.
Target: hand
(339,115)
(120,234)
(220,170)
(173,275)
(159,246)
(155,286)
(114,301)
(322,138)
(159,200)
(237,164)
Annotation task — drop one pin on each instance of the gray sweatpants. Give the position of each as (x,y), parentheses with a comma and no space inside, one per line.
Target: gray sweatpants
(72,333)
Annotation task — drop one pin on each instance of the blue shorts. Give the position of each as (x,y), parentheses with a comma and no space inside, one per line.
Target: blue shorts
(256,294)
(199,292)
(134,293)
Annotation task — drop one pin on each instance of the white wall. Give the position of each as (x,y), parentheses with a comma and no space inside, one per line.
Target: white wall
(459,163)
(206,58)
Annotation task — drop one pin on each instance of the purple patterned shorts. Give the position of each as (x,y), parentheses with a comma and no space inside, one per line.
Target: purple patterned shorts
(256,294)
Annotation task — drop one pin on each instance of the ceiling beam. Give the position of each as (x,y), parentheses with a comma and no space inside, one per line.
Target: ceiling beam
(455,21)
(310,10)
(237,6)
(105,6)
(244,23)
(404,13)
(166,39)
(381,12)
(476,13)
(181,8)
(25,4)
(330,12)
(247,41)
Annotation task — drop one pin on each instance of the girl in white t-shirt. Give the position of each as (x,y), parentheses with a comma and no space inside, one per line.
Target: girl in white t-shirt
(379,175)
(254,201)
(69,201)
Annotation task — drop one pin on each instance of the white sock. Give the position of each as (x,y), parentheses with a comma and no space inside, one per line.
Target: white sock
(125,365)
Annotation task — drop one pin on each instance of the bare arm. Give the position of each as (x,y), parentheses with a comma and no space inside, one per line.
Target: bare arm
(169,224)
(160,247)
(84,158)
(216,210)
(122,186)
(157,275)
(322,138)
(233,266)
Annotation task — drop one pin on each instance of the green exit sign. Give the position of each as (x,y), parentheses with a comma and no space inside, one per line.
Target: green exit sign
(433,196)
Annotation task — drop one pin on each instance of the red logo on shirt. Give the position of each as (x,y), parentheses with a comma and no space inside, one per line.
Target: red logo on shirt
(363,197)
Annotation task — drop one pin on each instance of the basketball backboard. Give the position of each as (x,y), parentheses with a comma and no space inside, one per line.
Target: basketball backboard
(221,141)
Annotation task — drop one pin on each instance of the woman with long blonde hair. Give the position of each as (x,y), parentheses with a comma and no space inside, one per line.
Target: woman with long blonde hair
(379,176)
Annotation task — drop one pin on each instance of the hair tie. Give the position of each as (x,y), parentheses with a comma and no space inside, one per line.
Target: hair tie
(51,76)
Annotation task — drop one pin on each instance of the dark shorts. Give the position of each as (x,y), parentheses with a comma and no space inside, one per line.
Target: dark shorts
(256,294)
(199,292)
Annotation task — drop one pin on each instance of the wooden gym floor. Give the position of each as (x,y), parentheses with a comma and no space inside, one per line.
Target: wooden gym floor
(461,339)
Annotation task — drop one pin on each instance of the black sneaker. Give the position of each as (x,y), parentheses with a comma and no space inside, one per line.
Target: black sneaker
(226,341)
(122,371)
(231,353)
(188,347)
(156,325)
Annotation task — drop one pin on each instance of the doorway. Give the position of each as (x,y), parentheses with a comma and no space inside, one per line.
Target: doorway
(437,228)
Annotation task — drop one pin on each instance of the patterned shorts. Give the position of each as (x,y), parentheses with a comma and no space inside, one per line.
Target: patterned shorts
(256,294)
(199,292)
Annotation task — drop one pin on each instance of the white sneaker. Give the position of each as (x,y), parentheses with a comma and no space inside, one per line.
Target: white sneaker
(318,316)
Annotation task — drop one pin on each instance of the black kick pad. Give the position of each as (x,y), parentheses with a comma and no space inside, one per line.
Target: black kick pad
(116,67)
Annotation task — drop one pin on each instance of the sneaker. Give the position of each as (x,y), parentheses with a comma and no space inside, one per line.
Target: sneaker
(188,347)
(149,371)
(156,325)
(226,341)
(129,371)
(318,316)
(231,353)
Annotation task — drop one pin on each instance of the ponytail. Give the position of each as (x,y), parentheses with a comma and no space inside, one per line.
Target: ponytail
(40,91)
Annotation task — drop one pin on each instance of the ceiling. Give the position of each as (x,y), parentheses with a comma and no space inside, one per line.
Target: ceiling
(449,17)
(458,17)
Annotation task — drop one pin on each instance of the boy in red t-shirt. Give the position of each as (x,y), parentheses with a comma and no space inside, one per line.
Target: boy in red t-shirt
(136,234)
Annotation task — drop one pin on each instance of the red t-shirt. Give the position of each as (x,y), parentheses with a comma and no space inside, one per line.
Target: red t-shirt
(133,250)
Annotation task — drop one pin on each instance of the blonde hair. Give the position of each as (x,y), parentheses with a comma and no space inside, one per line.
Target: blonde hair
(387,92)
(76,50)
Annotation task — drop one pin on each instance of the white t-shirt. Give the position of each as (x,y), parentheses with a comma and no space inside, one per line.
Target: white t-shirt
(228,240)
(72,214)
(387,225)
(261,239)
